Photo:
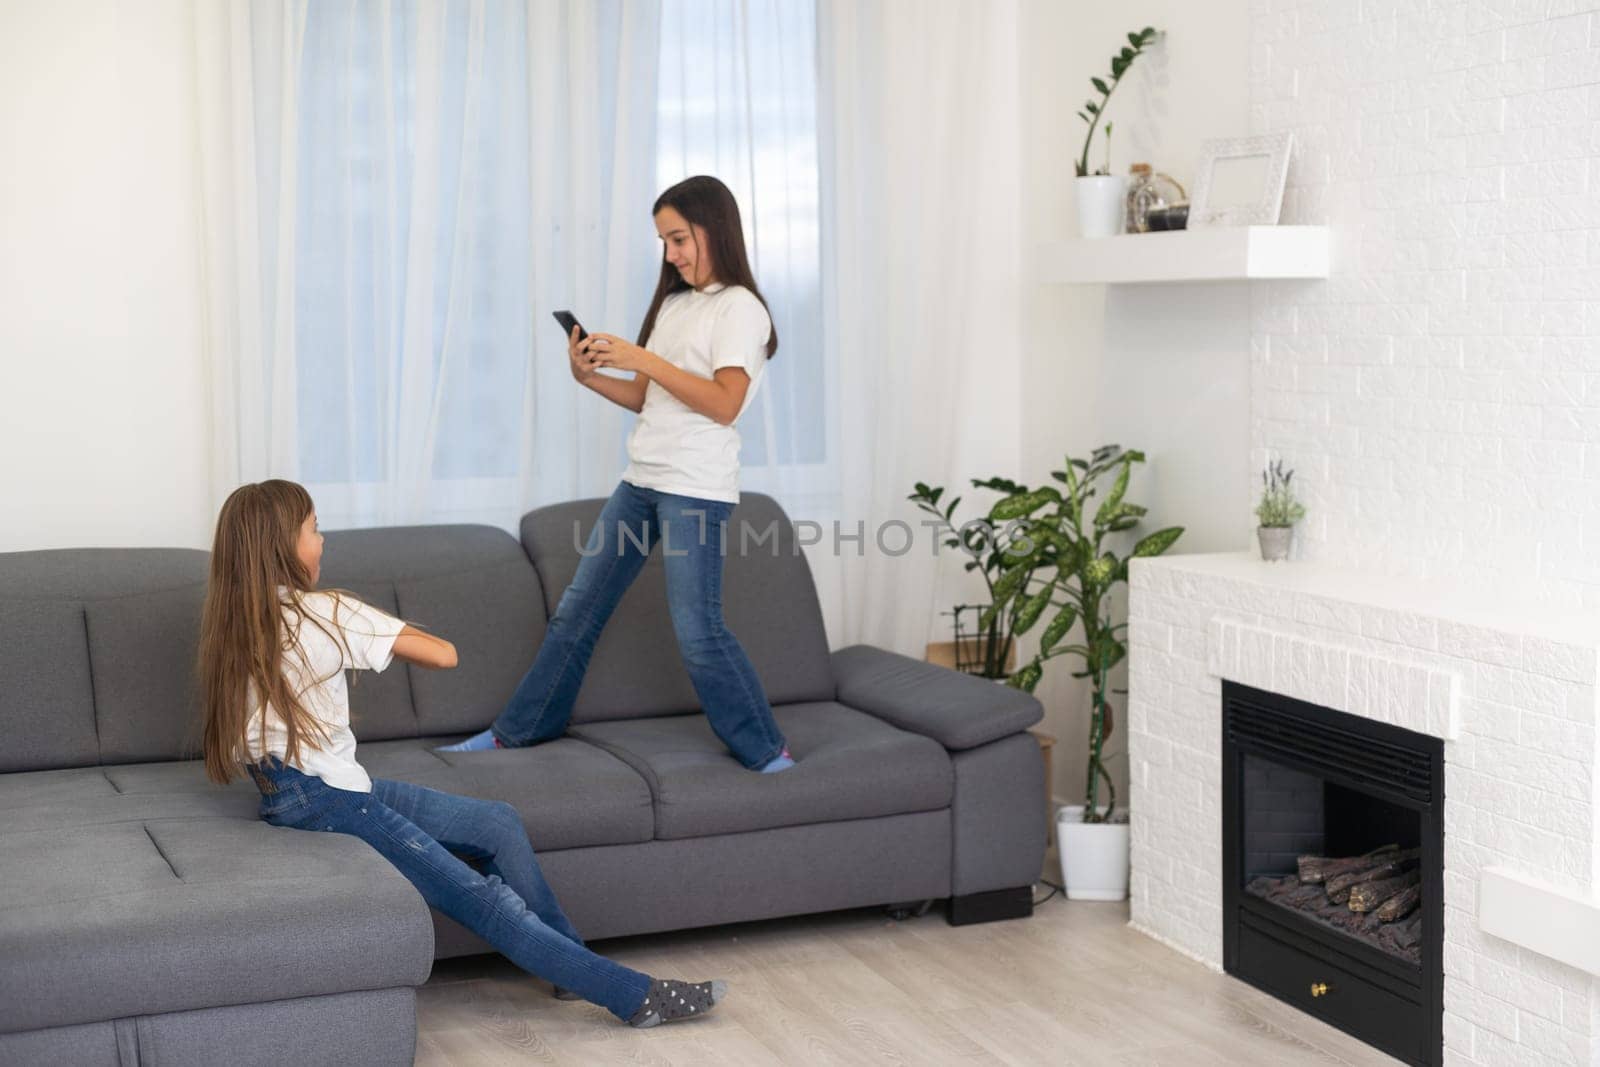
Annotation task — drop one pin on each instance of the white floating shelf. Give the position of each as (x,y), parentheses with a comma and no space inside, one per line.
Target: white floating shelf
(1233,253)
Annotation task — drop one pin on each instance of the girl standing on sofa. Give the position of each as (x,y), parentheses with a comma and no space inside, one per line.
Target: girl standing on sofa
(273,652)
(699,361)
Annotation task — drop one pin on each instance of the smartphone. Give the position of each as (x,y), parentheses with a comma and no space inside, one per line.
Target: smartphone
(567,321)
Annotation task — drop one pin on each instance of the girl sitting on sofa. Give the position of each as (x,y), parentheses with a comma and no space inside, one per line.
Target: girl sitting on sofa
(699,361)
(273,652)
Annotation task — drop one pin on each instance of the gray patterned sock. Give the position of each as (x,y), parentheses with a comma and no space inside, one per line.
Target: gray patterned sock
(667,1002)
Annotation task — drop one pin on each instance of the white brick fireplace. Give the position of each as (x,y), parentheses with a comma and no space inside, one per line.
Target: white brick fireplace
(1512,693)
(1439,397)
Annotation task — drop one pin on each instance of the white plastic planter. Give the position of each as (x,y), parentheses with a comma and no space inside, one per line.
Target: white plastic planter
(1094,856)
(1102,204)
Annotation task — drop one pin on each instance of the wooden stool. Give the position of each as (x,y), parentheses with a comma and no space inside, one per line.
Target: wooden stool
(943,653)
(1046,743)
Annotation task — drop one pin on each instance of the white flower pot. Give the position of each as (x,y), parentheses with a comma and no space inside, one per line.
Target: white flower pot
(1102,204)
(1094,856)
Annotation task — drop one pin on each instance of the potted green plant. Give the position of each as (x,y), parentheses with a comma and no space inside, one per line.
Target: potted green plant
(1102,196)
(1277,512)
(1065,579)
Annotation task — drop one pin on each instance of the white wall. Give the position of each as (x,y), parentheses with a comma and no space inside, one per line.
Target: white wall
(1439,392)
(1162,368)
(104,433)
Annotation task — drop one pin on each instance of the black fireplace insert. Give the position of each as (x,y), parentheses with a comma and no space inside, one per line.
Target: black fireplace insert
(1333,861)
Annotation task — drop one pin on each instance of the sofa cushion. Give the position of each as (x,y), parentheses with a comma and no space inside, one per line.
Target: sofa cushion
(40,802)
(473,586)
(32,788)
(849,766)
(568,793)
(221,910)
(49,602)
(183,778)
(142,649)
(768,598)
(47,699)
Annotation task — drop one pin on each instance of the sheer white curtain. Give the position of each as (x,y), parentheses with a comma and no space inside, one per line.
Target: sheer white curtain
(921,138)
(397,195)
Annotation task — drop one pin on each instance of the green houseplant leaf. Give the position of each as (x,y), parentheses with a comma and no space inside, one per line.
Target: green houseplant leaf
(1027,678)
(1031,609)
(1058,628)
(1158,542)
(1015,507)
(1108,507)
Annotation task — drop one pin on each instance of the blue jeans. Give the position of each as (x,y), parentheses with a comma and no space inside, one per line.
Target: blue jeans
(692,532)
(423,832)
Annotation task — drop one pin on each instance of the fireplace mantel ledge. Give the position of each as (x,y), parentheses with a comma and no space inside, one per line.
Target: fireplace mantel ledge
(1551,921)
(1263,585)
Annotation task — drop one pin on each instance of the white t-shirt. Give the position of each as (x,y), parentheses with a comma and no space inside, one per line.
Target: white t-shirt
(673,448)
(367,644)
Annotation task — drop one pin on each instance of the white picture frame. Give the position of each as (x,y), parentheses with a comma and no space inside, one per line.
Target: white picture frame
(1274,148)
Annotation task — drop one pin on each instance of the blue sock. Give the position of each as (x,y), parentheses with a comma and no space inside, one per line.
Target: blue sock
(476,743)
(781,762)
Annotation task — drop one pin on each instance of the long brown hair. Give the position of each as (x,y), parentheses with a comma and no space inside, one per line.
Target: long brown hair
(705,202)
(242,642)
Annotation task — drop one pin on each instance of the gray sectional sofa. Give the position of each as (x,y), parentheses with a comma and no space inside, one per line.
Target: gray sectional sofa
(148,917)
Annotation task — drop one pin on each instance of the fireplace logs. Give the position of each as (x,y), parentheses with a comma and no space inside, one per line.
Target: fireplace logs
(1404,935)
(1343,888)
(1364,896)
(1401,904)
(1318,869)
(1368,895)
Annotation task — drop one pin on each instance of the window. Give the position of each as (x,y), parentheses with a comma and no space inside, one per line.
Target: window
(413,267)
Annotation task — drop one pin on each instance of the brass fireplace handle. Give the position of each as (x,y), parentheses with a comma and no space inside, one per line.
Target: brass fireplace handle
(1319,989)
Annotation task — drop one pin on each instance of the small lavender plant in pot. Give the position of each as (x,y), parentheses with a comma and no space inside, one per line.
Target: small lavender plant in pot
(1277,512)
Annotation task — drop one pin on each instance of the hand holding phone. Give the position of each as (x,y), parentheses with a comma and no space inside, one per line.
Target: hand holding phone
(583,364)
(568,321)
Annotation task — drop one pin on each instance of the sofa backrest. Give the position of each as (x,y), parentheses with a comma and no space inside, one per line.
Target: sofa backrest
(97,646)
(472,585)
(769,601)
(97,655)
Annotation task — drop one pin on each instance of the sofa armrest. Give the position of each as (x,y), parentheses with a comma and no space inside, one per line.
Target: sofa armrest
(957,710)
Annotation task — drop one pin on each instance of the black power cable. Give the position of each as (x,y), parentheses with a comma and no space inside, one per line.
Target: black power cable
(1054,889)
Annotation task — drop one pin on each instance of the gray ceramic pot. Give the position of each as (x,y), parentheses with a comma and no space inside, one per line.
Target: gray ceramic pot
(1274,542)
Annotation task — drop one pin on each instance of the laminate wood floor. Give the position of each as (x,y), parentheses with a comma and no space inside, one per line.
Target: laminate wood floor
(1071,985)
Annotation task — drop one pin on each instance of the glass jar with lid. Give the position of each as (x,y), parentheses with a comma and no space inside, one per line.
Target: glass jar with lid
(1151,191)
